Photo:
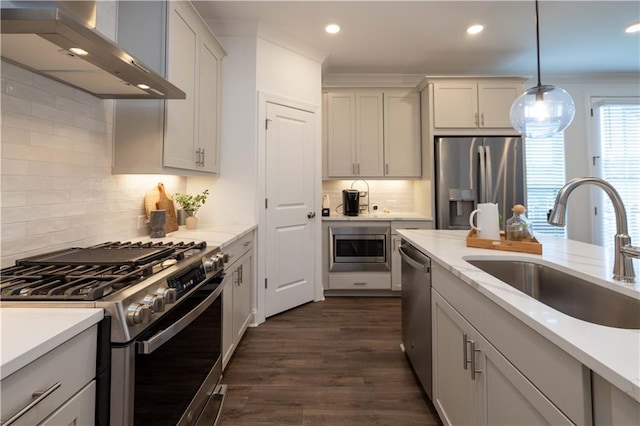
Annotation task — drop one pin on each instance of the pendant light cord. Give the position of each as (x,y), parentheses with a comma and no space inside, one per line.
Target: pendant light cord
(538,42)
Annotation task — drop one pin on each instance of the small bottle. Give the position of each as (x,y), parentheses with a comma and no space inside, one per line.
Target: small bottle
(518,226)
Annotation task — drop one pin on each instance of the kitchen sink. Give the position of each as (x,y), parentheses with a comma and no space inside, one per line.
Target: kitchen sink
(566,293)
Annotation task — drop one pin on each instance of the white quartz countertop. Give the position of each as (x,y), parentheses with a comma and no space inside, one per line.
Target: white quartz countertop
(29,333)
(378,216)
(218,235)
(612,353)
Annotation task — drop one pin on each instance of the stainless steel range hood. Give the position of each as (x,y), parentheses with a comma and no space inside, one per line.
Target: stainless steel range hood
(38,35)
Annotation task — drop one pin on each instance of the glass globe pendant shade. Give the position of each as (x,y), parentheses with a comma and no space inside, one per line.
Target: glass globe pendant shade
(542,111)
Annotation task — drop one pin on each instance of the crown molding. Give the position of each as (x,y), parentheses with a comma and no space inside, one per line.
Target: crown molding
(371,80)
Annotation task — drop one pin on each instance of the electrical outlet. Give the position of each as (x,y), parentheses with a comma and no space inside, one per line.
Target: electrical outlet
(142,221)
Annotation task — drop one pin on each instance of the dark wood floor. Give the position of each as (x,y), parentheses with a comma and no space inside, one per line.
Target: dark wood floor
(336,362)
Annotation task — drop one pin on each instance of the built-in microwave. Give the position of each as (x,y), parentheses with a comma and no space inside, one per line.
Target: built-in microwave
(359,248)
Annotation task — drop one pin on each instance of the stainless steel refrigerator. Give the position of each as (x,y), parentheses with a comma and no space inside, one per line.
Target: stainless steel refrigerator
(472,170)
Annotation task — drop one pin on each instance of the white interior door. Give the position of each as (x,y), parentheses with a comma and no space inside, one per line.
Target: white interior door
(290,242)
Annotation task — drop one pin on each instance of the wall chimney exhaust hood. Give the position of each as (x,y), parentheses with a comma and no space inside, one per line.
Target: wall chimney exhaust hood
(43,36)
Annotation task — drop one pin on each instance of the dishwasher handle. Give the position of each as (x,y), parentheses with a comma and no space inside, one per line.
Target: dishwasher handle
(414,258)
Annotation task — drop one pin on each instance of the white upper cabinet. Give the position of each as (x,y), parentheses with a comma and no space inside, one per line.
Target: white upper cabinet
(373,133)
(466,104)
(178,136)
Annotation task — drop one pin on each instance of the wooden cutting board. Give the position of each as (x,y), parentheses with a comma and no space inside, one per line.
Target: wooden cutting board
(165,203)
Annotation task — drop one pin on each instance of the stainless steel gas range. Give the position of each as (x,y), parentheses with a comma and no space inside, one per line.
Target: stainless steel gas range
(160,361)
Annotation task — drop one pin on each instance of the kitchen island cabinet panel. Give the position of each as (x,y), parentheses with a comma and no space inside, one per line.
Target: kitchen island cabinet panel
(560,378)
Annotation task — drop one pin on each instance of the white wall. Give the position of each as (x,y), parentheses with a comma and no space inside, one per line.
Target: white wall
(57,189)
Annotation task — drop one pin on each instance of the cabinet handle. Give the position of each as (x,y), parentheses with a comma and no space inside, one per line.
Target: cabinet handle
(386,168)
(241,275)
(475,118)
(473,360)
(359,283)
(358,169)
(465,359)
(39,397)
(482,119)
(202,154)
(353,169)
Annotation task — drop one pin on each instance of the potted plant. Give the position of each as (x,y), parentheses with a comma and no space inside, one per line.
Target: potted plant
(190,204)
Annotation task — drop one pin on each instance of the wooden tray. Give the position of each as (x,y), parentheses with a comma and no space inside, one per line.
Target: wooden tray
(531,245)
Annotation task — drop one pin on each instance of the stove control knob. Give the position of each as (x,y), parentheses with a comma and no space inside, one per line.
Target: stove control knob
(211,263)
(155,302)
(138,313)
(167,294)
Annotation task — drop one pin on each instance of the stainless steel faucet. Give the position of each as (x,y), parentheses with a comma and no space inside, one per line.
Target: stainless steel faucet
(624,251)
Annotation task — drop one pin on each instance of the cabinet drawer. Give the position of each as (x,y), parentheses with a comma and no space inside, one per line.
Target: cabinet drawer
(72,365)
(236,249)
(410,224)
(79,410)
(360,281)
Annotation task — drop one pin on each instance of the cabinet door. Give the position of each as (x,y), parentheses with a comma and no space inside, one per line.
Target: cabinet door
(182,70)
(508,398)
(79,410)
(242,297)
(454,393)
(402,151)
(494,103)
(455,105)
(369,134)
(341,137)
(208,102)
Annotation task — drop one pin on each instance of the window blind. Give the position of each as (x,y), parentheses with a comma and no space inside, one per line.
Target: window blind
(545,172)
(619,123)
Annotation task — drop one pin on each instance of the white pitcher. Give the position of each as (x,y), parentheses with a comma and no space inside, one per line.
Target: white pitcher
(487,219)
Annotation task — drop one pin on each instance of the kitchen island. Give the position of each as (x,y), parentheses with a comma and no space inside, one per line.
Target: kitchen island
(611,353)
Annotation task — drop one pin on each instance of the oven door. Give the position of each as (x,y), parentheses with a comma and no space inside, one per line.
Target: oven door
(177,364)
(360,248)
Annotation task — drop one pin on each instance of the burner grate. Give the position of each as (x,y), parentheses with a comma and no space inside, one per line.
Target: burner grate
(89,273)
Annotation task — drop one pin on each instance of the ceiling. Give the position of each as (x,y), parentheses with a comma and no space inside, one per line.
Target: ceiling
(429,38)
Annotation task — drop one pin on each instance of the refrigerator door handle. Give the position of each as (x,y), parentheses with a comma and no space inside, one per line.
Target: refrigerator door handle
(489,175)
(483,176)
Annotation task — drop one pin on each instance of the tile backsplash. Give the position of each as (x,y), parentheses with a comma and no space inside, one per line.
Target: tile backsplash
(56,187)
(395,195)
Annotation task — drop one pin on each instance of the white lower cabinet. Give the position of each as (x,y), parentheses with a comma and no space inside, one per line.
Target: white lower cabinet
(236,297)
(491,369)
(474,384)
(48,390)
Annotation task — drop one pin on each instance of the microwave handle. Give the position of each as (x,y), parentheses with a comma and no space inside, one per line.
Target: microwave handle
(146,347)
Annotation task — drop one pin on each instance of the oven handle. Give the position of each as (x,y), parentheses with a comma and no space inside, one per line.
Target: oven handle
(146,347)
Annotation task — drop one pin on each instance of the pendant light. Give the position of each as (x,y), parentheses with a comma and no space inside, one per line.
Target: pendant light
(543,110)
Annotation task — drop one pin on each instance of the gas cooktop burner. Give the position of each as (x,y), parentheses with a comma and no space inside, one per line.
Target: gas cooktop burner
(90,273)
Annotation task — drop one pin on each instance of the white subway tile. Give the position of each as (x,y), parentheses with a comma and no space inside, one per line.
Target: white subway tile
(72,132)
(14,230)
(14,198)
(47,226)
(22,121)
(16,135)
(38,198)
(14,167)
(25,183)
(90,124)
(26,92)
(20,246)
(53,87)
(25,213)
(68,236)
(51,141)
(15,104)
(70,209)
(53,114)
(16,73)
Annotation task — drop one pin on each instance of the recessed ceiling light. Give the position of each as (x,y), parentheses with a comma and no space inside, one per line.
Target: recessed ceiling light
(633,28)
(143,86)
(78,51)
(475,29)
(332,28)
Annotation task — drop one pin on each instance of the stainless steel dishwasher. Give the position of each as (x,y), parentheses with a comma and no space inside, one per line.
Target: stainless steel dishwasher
(416,312)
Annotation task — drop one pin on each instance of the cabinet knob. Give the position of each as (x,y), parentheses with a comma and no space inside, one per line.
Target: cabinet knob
(311,215)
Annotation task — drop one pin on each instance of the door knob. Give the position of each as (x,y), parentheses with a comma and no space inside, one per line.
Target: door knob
(311,215)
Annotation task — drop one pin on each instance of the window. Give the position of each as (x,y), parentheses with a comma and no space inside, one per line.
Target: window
(617,160)
(545,176)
